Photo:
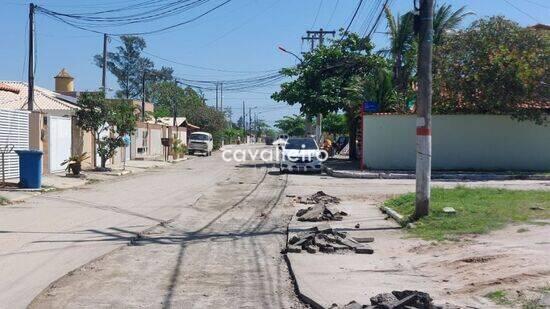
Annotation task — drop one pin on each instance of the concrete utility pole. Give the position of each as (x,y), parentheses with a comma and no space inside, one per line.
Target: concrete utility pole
(250,120)
(30,98)
(175,104)
(312,36)
(423,110)
(142,95)
(244,120)
(221,96)
(217,96)
(104,69)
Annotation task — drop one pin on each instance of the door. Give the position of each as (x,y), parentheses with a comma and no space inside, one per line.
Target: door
(59,142)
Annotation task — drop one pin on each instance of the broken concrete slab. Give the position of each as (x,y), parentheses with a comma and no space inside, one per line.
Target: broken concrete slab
(449,210)
(325,239)
(319,197)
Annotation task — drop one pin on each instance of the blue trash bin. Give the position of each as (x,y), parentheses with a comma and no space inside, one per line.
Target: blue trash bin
(30,169)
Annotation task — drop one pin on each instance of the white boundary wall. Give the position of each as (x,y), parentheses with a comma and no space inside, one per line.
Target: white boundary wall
(460,142)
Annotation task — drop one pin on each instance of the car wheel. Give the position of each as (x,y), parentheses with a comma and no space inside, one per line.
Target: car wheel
(191,152)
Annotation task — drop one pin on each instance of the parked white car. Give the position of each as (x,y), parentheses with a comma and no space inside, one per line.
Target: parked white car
(301,155)
(201,142)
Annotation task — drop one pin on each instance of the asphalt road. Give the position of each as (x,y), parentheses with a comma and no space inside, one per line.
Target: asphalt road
(198,200)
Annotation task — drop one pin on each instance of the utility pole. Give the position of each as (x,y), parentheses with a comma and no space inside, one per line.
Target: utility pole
(423,110)
(104,71)
(142,94)
(319,36)
(221,96)
(30,102)
(217,96)
(249,120)
(244,120)
(175,104)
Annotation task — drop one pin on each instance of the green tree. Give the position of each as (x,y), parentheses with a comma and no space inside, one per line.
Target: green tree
(292,125)
(493,67)
(325,82)
(96,116)
(403,47)
(128,66)
(93,114)
(334,124)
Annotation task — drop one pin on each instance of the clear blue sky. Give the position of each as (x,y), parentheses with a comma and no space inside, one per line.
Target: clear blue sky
(242,36)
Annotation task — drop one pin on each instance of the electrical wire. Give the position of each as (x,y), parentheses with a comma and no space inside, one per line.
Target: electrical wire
(522,11)
(375,26)
(90,21)
(354,14)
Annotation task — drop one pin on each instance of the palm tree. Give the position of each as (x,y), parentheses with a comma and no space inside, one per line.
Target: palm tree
(446,20)
(401,40)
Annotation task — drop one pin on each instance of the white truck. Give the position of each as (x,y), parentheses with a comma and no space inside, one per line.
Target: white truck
(200,142)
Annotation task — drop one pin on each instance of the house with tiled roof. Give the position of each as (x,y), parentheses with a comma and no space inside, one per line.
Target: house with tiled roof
(14,96)
(51,124)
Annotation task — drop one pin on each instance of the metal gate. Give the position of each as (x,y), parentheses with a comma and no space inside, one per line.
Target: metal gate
(14,130)
(59,142)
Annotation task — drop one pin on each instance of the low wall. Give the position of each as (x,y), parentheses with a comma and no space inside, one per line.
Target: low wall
(459,142)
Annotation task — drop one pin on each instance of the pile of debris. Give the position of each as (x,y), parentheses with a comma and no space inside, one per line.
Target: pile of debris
(398,300)
(319,197)
(320,212)
(324,239)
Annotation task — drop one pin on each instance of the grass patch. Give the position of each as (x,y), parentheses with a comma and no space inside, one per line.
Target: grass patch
(3,200)
(478,210)
(498,297)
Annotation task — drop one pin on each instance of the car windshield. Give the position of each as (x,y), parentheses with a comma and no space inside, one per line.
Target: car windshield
(301,143)
(200,137)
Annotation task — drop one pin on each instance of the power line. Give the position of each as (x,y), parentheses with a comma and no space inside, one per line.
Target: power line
(317,14)
(377,19)
(87,22)
(522,11)
(354,14)
(199,67)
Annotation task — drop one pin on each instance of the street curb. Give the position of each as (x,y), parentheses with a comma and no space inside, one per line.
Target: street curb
(302,297)
(435,176)
(394,214)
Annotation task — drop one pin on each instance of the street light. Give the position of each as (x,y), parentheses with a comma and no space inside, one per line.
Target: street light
(289,52)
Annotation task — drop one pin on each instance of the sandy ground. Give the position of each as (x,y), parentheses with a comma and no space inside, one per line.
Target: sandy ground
(224,252)
(514,259)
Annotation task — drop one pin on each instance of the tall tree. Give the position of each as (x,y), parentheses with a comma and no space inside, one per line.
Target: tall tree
(323,82)
(494,67)
(292,125)
(128,65)
(445,20)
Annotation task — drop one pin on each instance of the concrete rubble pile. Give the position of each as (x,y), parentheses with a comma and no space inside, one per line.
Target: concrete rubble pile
(319,197)
(324,239)
(320,212)
(398,300)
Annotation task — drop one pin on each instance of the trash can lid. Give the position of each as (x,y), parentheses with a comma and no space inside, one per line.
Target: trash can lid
(30,151)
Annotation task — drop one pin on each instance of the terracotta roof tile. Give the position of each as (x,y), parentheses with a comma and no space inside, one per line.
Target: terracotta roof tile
(13,95)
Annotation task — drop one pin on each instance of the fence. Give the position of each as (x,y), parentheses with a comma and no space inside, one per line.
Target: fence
(14,130)
(459,142)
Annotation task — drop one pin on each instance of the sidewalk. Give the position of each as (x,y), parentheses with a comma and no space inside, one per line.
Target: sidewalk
(343,168)
(59,181)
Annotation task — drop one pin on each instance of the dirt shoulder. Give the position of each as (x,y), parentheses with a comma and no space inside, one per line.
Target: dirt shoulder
(510,261)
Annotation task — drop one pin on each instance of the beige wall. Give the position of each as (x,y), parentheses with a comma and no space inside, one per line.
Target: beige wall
(460,142)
